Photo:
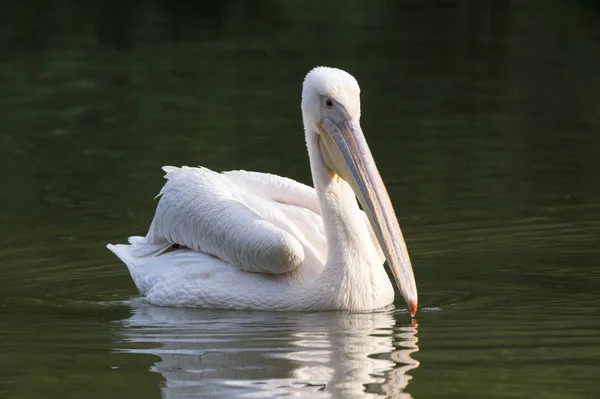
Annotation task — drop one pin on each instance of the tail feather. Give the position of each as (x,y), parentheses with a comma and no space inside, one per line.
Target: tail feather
(136,255)
(141,247)
(123,252)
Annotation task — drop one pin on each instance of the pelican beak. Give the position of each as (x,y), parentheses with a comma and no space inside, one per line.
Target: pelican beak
(346,152)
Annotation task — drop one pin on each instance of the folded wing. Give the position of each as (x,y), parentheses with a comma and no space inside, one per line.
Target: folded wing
(204,211)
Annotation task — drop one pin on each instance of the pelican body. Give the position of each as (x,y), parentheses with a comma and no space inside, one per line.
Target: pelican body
(250,240)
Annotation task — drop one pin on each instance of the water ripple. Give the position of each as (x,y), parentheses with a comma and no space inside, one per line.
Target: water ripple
(310,354)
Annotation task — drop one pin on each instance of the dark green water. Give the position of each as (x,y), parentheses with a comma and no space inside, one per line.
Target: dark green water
(484,119)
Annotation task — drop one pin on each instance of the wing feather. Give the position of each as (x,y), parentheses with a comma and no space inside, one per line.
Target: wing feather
(280,189)
(199,209)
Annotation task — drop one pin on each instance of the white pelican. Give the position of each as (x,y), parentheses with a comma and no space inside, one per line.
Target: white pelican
(249,240)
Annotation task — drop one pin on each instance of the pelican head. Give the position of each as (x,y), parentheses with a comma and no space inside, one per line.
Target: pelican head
(331,112)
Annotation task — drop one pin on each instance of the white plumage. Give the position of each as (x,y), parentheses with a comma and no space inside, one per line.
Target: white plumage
(249,240)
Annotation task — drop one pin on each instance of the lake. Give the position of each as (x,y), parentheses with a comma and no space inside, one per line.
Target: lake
(484,120)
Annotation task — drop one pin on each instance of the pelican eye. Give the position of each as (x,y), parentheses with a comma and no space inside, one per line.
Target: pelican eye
(329,103)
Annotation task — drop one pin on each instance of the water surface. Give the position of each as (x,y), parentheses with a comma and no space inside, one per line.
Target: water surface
(483,120)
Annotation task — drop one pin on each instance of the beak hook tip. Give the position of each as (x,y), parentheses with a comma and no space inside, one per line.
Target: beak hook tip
(413,308)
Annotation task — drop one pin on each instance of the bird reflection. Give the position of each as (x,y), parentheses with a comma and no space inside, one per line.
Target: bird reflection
(257,354)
